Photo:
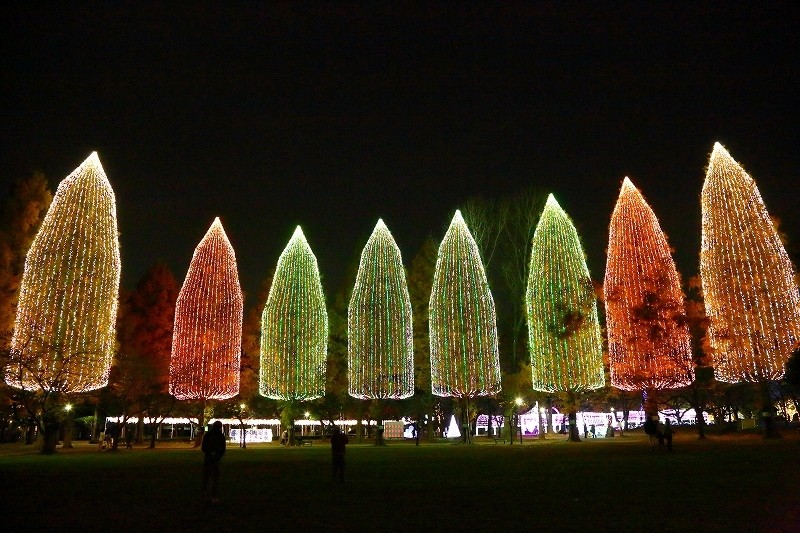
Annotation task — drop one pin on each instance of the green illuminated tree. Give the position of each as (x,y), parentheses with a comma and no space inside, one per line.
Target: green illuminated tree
(563,329)
(380,347)
(294,329)
(463,325)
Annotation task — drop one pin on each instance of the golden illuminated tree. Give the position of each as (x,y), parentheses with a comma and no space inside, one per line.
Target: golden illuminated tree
(463,325)
(648,338)
(751,298)
(64,331)
(750,295)
(207,338)
(63,337)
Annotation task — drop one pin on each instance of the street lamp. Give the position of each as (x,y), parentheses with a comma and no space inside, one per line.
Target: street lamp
(242,434)
(68,407)
(519,420)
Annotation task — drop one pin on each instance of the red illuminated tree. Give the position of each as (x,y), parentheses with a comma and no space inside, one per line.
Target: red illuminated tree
(207,339)
(648,339)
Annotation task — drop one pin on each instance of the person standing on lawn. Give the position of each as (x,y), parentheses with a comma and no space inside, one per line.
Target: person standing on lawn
(668,434)
(338,442)
(214,448)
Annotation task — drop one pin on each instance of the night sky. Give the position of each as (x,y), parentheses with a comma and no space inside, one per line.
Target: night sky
(333,115)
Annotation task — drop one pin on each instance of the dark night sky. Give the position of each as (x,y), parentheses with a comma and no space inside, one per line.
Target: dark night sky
(330,116)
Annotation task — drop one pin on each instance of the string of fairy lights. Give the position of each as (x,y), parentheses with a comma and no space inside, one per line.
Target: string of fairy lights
(294,327)
(748,280)
(207,337)
(563,329)
(380,361)
(648,340)
(462,322)
(64,330)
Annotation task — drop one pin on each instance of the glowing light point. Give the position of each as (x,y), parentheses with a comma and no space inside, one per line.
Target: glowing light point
(563,329)
(294,327)
(751,299)
(207,338)
(648,342)
(463,325)
(380,360)
(64,330)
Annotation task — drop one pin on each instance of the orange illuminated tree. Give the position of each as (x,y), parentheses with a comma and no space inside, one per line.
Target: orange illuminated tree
(207,338)
(648,338)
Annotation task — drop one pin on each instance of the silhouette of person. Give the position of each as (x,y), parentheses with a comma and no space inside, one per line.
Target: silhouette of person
(651,429)
(668,434)
(214,448)
(338,442)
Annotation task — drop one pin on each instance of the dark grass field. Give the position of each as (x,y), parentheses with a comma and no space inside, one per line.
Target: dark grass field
(737,483)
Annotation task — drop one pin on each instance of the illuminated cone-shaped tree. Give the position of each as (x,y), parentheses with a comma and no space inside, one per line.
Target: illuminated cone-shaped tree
(750,295)
(648,338)
(563,330)
(294,329)
(380,361)
(207,338)
(463,325)
(64,331)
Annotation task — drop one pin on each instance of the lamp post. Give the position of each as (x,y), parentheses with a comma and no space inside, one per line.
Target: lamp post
(519,420)
(242,437)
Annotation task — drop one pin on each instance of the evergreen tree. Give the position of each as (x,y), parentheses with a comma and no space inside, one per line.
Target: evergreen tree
(463,324)
(563,329)
(648,338)
(380,335)
(751,298)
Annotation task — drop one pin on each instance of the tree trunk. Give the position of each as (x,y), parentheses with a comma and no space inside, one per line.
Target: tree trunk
(379,427)
(550,426)
(140,429)
(701,424)
(466,433)
(153,435)
(431,434)
(201,426)
(49,427)
(651,403)
(768,412)
(93,439)
(68,429)
(574,434)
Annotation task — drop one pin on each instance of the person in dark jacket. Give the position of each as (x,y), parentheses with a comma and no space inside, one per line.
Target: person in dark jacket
(338,442)
(214,448)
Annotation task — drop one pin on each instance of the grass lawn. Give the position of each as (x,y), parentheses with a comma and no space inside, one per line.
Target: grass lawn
(736,483)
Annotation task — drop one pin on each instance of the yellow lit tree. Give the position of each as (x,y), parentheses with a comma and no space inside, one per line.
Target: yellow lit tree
(751,298)
(63,338)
